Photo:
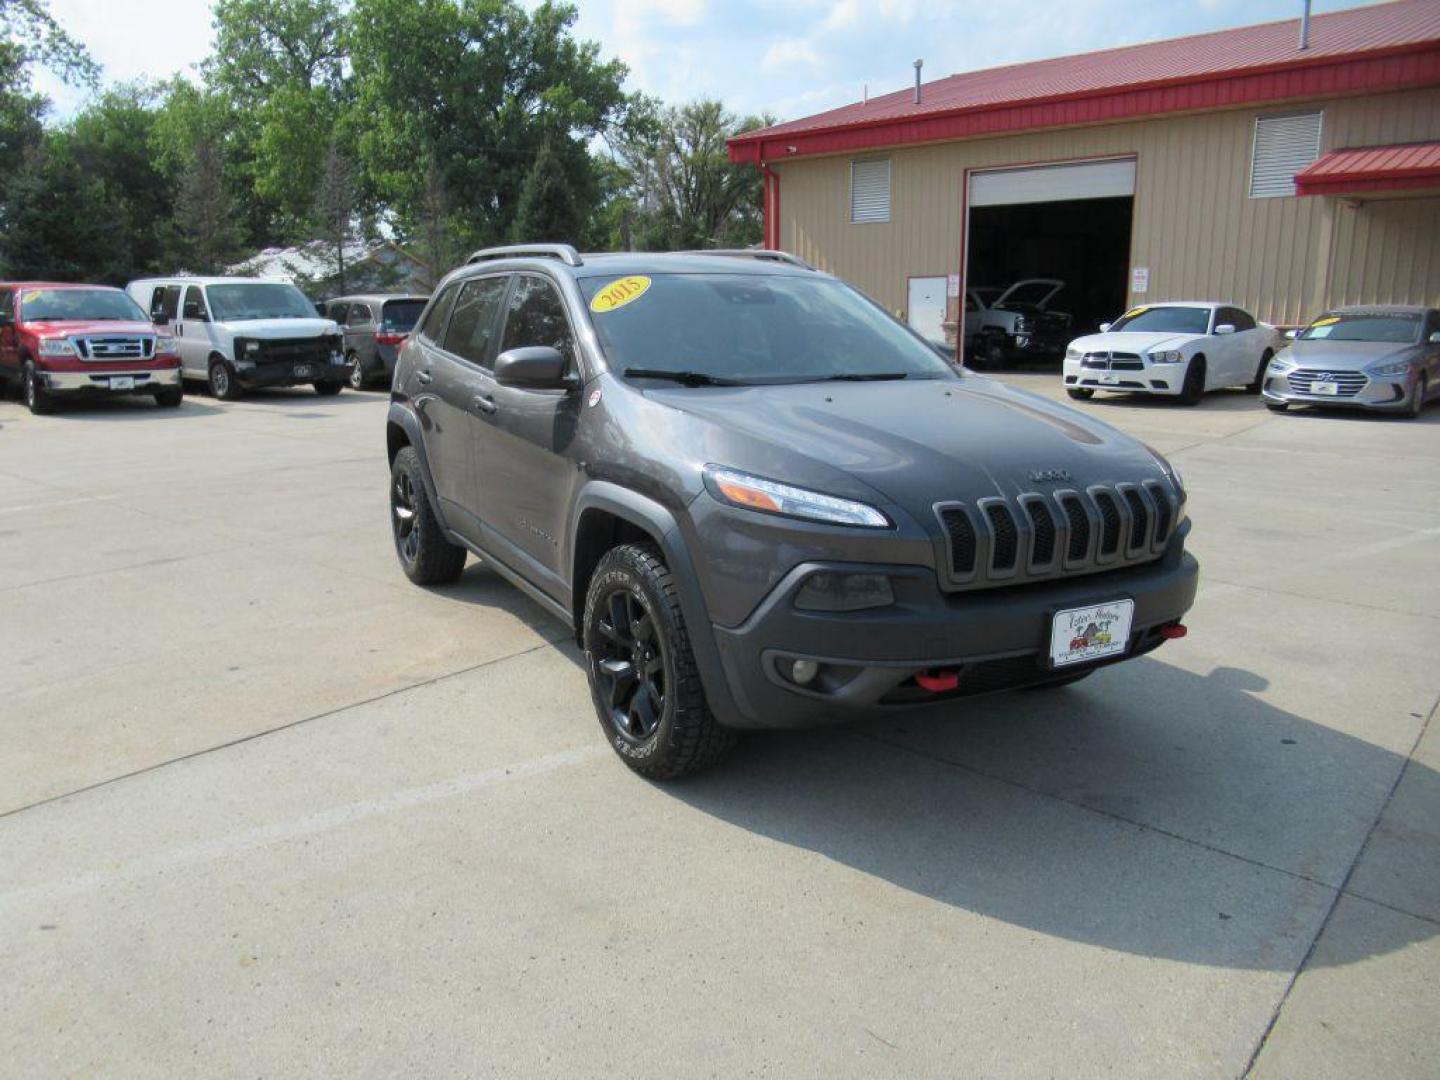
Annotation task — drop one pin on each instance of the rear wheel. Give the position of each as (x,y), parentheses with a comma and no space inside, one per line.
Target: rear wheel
(1254,387)
(643,677)
(426,556)
(1080,393)
(37,398)
(223,384)
(1194,386)
(357,373)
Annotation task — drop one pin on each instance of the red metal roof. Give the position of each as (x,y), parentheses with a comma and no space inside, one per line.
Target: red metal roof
(1227,67)
(1372,168)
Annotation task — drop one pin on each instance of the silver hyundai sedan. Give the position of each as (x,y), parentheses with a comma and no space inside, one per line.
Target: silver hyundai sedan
(1383,357)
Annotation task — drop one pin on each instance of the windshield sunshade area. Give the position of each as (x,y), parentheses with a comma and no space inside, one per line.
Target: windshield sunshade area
(79,305)
(1397,327)
(1164,320)
(749,328)
(235,303)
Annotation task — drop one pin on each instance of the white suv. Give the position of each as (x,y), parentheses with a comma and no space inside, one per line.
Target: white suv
(238,333)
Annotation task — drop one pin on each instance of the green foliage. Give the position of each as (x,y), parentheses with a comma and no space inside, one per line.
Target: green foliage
(30,35)
(551,207)
(60,221)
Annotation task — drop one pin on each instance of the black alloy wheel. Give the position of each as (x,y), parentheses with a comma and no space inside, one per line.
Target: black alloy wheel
(628,663)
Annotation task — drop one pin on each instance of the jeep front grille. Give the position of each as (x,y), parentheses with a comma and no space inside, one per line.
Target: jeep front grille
(107,347)
(996,541)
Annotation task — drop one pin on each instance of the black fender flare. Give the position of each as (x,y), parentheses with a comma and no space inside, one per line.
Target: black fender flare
(404,415)
(659,522)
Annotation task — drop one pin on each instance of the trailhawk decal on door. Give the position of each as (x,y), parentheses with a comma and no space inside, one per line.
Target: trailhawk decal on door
(619,293)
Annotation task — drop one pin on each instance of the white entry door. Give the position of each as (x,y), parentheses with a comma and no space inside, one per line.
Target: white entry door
(927,307)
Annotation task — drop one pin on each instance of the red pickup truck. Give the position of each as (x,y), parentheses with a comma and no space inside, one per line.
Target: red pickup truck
(59,340)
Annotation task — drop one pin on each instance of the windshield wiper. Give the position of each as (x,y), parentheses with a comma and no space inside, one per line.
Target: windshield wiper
(870,376)
(684,378)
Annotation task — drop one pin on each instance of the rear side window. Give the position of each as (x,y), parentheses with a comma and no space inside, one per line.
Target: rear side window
(1236,318)
(439,313)
(472,327)
(401,314)
(359,315)
(536,316)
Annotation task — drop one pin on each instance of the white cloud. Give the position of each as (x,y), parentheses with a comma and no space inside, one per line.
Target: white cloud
(786,55)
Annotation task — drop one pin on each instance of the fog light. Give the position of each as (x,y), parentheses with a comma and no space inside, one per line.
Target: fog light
(844,592)
(804,671)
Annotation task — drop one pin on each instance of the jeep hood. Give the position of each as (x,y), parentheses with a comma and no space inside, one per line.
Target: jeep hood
(1346,355)
(282,328)
(915,443)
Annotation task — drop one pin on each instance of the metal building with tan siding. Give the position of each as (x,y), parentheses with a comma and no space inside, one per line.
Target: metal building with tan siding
(1236,165)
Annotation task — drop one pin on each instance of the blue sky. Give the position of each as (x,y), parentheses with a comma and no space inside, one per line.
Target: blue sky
(788,57)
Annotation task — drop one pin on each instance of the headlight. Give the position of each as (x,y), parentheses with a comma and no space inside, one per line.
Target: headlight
(1398,367)
(57,346)
(1281,364)
(1166,356)
(164,345)
(1072,354)
(252,347)
(1022,322)
(773,497)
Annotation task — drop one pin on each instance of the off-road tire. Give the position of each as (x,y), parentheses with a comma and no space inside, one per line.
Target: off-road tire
(1254,387)
(222,381)
(1193,389)
(687,738)
(37,399)
(170,399)
(1080,393)
(430,559)
(329,389)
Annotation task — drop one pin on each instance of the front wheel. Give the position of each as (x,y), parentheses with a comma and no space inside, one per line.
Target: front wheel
(37,398)
(223,384)
(328,389)
(426,556)
(1193,388)
(170,398)
(1080,393)
(643,677)
(1276,406)
(1417,399)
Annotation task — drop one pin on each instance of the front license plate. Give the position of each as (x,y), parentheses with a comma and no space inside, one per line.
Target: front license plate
(1109,378)
(1090,633)
(1330,389)
(122,382)
(302,370)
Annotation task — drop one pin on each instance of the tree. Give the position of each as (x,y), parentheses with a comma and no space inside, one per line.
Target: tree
(462,121)
(335,210)
(551,203)
(682,188)
(30,35)
(59,221)
(208,238)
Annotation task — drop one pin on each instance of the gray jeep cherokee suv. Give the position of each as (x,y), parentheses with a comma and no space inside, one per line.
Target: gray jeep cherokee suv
(761,501)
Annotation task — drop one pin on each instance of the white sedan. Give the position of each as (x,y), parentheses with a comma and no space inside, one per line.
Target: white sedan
(1180,348)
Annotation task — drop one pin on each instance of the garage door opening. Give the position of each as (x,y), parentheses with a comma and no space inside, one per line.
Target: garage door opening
(1067,223)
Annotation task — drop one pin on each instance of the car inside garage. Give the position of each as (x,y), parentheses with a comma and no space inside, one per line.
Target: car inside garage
(1070,222)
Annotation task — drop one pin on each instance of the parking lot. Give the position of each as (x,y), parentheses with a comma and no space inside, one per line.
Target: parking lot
(268,809)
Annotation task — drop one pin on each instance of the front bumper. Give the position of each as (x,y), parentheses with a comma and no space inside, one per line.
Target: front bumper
(995,639)
(142,381)
(1382,393)
(1148,379)
(291,373)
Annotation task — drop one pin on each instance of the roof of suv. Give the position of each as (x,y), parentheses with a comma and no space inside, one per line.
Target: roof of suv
(377,297)
(611,264)
(191,279)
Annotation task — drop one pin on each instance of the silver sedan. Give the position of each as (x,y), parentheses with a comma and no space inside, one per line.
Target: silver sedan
(1380,357)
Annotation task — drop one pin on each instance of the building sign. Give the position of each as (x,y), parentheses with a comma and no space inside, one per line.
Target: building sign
(1140,279)
(952,285)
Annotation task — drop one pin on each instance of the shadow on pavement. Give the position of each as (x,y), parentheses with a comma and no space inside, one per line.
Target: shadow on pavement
(1271,807)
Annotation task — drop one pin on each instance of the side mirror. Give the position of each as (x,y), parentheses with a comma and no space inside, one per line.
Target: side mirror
(196,316)
(1224,328)
(1292,334)
(535,367)
(1105,326)
(320,310)
(159,318)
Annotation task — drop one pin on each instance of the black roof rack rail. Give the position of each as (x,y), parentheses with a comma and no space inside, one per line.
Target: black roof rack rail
(564,252)
(768,254)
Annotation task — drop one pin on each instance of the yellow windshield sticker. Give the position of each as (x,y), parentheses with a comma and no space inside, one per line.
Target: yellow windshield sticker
(1136,311)
(619,293)
(1326,321)
(26,297)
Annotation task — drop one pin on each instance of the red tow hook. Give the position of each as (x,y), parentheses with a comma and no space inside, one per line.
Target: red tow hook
(1174,630)
(937,682)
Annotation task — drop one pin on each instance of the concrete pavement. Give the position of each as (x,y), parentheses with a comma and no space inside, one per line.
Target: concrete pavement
(268,809)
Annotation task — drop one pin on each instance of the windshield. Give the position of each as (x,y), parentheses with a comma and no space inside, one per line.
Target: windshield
(986,295)
(752,329)
(1164,320)
(1028,294)
(268,300)
(402,314)
(80,305)
(1399,327)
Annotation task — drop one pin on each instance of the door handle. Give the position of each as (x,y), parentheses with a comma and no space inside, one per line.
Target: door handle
(424,376)
(484,404)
